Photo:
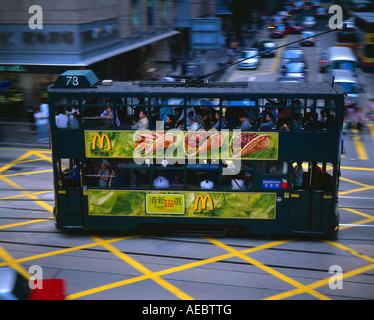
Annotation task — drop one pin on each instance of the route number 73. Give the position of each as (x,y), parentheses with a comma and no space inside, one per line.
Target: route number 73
(72,80)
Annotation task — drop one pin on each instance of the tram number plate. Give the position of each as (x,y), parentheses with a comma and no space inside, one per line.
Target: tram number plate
(165,203)
(271,184)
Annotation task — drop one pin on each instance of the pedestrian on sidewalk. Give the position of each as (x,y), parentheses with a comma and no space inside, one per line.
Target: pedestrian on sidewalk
(30,116)
(41,122)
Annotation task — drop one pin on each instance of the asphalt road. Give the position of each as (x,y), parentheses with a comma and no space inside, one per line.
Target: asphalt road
(206,267)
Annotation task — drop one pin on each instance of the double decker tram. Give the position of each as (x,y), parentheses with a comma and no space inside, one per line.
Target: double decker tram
(258,158)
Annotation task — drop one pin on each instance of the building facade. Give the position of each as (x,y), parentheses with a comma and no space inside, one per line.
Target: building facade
(118,39)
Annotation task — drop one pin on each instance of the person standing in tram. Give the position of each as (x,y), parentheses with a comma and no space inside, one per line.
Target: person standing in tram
(297,175)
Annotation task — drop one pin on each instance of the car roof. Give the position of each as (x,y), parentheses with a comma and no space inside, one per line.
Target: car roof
(343,75)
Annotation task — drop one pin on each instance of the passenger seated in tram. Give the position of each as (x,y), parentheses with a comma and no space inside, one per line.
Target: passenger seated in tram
(61,118)
(194,125)
(308,121)
(245,124)
(108,114)
(237,184)
(116,181)
(207,115)
(103,173)
(178,180)
(169,122)
(268,110)
(143,121)
(180,120)
(220,123)
(268,123)
(206,183)
(161,182)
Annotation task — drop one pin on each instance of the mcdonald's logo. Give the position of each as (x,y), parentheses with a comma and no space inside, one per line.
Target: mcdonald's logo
(204,201)
(101,141)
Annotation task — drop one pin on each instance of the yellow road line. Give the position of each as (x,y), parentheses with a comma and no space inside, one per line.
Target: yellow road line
(360,148)
(43,157)
(62,251)
(321,283)
(356,168)
(358,212)
(350,250)
(23,195)
(172,270)
(326,281)
(135,264)
(13,264)
(41,203)
(15,161)
(371,129)
(269,270)
(26,173)
(24,223)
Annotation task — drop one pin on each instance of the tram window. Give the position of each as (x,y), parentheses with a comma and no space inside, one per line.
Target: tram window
(299,175)
(67,117)
(130,109)
(165,179)
(98,172)
(271,167)
(326,119)
(240,181)
(166,112)
(99,113)
(69,172)
(202,179)
(322,176)
(141,178)
(177,179)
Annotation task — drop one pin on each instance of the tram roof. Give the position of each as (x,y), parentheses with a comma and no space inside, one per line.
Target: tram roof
(211,89)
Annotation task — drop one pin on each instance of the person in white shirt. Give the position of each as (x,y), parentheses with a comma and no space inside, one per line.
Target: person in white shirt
(143,121)
(237,184)
(161,182)
(41,122)
(194,124)
(62,120)
(206,184)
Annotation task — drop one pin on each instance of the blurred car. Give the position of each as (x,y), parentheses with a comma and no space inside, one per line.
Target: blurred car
(291,54)
(308,38)
(275,20)
(287,79)
(315,4)
(296,70)
(309,22)
(278,31)
(293,27)
(284,14)
(320,13)
(298,5)
(13,286)
(323,61)
(267,45)
(251,57)
(348,81)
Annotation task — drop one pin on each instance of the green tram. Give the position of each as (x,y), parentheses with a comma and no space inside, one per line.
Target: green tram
(257,158)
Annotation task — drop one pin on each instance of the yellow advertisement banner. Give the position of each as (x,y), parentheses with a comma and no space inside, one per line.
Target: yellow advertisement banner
(165,204)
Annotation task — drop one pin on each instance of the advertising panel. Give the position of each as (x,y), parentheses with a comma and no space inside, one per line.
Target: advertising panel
(178,144)
(244,205)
